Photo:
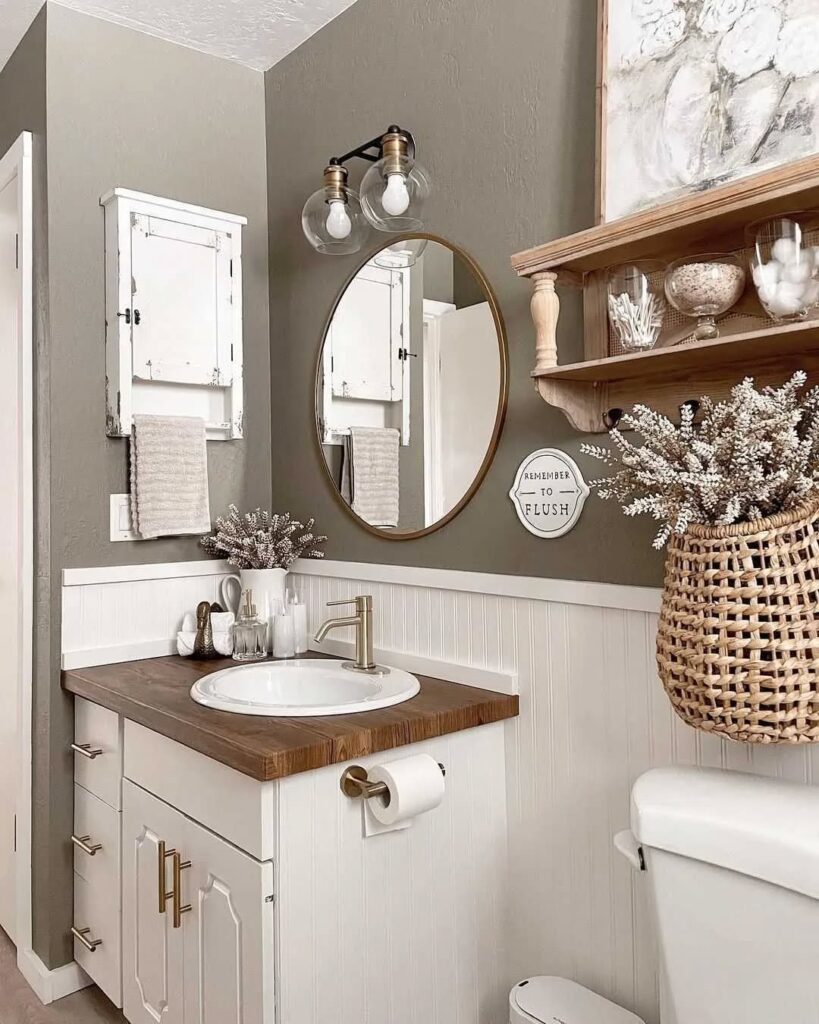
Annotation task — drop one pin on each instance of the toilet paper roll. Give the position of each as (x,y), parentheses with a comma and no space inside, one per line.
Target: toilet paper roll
(415,784)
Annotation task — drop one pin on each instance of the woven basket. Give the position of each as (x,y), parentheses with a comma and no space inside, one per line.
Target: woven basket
(738,640)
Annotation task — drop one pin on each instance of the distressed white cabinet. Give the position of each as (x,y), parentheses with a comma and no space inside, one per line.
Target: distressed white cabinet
(197,920)
(366,371)
(173,316)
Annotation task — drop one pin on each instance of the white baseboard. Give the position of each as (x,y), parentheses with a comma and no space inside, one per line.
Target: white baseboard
(483,678)
(49,985)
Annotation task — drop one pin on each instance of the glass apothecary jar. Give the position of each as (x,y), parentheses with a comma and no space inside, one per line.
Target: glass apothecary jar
(636,304)
(705,287)
(785,266)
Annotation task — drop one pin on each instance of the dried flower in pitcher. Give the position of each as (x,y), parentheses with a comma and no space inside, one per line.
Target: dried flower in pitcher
(259,540)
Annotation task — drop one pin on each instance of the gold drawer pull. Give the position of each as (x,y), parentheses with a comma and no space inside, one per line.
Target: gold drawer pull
(164,895)
(179,866)
(86,750)
(85,844)
(80,935)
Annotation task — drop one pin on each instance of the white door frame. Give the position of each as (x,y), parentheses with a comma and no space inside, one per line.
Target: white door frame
(433,479)
(16,165)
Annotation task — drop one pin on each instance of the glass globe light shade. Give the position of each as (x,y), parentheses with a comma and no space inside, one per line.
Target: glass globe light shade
(393,193)
(401,254)
(332,220)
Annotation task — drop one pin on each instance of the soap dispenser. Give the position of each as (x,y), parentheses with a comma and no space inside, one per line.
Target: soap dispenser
(249,632)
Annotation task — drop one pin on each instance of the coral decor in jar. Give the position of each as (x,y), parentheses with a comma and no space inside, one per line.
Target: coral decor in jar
(784,267)
(705,287)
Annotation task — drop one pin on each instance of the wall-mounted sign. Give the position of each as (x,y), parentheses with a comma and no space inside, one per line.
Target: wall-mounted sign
(549,492)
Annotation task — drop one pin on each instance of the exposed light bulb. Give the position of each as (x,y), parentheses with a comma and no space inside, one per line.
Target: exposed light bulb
(338,221)
(396,197)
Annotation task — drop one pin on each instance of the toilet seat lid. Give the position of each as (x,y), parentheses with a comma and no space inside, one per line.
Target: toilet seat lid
(560,1001)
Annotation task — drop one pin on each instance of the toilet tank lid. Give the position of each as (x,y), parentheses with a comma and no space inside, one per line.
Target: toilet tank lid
(763,827)
(549,999)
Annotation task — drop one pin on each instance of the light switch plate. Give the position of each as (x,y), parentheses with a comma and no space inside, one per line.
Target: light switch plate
(121,527)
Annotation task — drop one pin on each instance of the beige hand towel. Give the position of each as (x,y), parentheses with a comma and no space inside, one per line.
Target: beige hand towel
(370,480)
(169,476)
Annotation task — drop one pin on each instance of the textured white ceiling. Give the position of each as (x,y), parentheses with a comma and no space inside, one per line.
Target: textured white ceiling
(15,18)
(257,33)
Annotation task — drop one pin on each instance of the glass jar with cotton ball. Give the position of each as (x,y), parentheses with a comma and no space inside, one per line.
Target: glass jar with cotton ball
(332,218)
(784,257)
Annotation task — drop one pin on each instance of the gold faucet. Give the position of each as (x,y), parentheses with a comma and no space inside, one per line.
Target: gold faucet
(363,622)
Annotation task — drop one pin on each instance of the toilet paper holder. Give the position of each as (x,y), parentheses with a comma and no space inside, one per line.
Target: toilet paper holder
(355,783)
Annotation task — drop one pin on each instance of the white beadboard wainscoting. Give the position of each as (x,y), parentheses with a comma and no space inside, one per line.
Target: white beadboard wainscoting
(593,717)
(408,928)
(127,612)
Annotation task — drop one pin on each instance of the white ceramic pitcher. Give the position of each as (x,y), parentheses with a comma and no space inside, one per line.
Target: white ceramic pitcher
(268,586)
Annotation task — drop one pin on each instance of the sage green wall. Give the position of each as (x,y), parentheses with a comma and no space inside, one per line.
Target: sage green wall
(500,97)
(127,109)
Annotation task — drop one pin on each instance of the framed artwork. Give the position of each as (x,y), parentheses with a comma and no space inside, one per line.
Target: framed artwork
(696,93)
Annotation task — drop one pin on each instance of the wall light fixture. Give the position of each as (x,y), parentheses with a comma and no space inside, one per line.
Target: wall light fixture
(393,193)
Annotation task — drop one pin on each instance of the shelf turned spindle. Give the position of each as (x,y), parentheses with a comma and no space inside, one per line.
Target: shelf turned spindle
(545,308)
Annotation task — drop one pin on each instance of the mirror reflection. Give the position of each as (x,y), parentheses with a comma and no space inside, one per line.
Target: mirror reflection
(411,386)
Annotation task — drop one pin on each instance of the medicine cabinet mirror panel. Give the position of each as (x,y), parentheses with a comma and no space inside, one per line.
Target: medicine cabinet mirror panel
(411,387)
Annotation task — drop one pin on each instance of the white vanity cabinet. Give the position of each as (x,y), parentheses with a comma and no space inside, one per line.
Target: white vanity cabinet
(197,918)
(265,902)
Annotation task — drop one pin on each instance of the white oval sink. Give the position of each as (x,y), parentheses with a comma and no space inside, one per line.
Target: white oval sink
(303,688)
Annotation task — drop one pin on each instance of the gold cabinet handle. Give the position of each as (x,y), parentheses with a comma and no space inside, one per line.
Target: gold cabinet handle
(86,845)
(86,750)
(164,895)
(80,935)
(179,866)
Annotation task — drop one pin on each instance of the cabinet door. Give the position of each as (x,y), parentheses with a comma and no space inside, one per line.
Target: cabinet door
(152,949)
(181,292)
(229,957)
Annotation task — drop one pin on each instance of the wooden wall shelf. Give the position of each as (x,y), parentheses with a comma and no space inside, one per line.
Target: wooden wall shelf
(752,344)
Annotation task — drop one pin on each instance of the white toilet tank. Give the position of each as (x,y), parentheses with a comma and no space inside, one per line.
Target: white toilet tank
(733,864)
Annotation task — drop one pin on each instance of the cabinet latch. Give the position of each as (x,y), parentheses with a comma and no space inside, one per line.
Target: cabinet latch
(136,318)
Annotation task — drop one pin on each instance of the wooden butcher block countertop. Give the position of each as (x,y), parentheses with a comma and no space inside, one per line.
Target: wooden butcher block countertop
(155,693)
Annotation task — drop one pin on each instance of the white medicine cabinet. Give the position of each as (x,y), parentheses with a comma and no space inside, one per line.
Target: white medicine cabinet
(173,311)
(366,372)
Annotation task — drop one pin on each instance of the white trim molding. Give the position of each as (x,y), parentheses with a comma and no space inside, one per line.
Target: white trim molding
(435,668)
(534,588)
(16,164)
(153,571)
(49,986)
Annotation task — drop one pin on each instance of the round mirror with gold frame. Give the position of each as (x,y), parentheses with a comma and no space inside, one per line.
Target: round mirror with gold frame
(411,386)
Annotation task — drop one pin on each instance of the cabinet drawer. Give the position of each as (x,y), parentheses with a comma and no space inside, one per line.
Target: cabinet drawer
(98,729)
(94,910)
(230,804)
(97,824)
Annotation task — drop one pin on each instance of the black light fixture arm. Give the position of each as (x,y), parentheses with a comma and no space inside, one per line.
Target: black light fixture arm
(363,151)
